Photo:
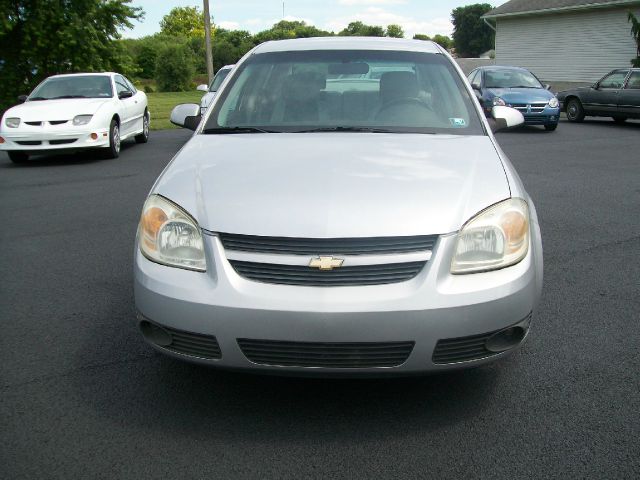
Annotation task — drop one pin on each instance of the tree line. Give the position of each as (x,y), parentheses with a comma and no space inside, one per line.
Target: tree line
(39,38)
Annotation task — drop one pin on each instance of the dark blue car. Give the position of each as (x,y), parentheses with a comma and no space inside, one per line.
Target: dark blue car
(518,88)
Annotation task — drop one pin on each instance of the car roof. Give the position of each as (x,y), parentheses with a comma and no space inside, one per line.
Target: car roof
(501,67)
(96,74)
(348,43)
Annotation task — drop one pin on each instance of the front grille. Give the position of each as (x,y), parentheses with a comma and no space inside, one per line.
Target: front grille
(340,277)
(328,355)
(193,344)
(34,124)
(29,142)
(535,107)
(327,246)
(57,122)
(462,349)
(62,142)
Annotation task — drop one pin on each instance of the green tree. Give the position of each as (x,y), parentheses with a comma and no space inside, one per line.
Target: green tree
(359,29)
(444,41)
(421,36)
(183,22)
(471,36)
(394,31)
(39,38)
(174,68)
(286,29)
(635,32)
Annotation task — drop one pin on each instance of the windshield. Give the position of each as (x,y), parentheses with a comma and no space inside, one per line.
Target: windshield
(510,79)
(345,90)
(218,79)
(87,86)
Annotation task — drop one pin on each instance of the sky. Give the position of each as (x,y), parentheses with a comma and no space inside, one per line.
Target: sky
(415,16)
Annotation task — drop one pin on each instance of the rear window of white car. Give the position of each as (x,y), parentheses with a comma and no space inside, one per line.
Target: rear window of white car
(396,91)
(78,86)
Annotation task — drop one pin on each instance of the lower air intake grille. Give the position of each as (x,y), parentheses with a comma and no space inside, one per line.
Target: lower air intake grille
(327,246)
(193,344)
(62,142)
(340,277)
(29,142)
(462,349)
(327,355)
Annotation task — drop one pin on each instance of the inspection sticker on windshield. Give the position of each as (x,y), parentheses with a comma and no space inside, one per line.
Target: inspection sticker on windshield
(458,122)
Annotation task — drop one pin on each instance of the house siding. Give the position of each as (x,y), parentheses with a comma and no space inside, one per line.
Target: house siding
(576,46)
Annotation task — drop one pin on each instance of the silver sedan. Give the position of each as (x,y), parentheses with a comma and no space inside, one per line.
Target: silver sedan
(326,221)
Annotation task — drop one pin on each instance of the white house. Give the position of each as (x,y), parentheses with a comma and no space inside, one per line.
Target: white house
(565,40)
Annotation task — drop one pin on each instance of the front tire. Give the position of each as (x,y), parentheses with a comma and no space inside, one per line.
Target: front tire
(18,157)
(113,150)
(619,120)
(551,128)
(144,136)
(575,111)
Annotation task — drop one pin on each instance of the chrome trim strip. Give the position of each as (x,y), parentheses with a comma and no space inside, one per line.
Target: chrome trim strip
(349,260)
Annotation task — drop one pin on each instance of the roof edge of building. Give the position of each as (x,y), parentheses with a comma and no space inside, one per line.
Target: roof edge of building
(542,11)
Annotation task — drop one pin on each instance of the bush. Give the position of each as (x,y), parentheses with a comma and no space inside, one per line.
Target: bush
(148,89)
(174,68)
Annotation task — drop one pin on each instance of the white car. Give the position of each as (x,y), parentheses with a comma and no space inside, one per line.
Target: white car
(213,89)
(74,112)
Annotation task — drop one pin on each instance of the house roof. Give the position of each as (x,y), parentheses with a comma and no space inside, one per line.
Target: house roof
(529,7)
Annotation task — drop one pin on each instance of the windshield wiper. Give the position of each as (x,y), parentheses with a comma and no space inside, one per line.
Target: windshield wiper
(37,98)
(67,96)
(345,129)
(225,130)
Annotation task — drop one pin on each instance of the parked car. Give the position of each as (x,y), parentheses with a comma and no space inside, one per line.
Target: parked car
(518,88)
(345,229)
(615,95)
(76,112)
(213,88)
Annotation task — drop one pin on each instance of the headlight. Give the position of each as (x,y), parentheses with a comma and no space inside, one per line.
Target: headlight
(495,238)
(168,235)
(12,122)
(82,119)
(553,103)
(497,101)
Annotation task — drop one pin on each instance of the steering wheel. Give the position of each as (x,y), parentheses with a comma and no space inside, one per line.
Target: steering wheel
(403,101)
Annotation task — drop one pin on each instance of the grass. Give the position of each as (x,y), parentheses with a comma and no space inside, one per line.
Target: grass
(161,104)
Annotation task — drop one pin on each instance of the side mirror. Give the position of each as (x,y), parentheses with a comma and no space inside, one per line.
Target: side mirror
(547,86)
(505,118)
(202,88)
(125,94)
(595,86)
(475,86)
(22,98)
(186,115)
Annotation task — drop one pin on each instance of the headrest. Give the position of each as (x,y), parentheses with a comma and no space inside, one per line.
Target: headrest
(398,85)
(304,85)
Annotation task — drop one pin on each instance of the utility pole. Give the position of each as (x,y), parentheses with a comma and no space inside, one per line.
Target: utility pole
(207,40)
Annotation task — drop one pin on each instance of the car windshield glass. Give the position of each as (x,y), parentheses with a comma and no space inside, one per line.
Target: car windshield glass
(81,86)
(218,79)
(346,91)
(510,79)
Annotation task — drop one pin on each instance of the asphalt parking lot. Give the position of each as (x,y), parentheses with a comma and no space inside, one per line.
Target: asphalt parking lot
(83,397)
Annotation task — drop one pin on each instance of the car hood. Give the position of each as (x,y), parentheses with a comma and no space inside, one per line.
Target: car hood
(522,95)
(578,90)
(62,109)
(324,185)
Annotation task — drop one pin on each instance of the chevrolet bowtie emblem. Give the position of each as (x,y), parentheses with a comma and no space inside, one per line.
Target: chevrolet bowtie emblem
(326,263)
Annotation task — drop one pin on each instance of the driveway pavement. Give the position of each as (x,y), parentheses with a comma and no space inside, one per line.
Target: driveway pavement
(81,395)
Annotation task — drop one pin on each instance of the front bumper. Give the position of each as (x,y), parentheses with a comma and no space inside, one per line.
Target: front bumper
(34,139)
(433,306)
